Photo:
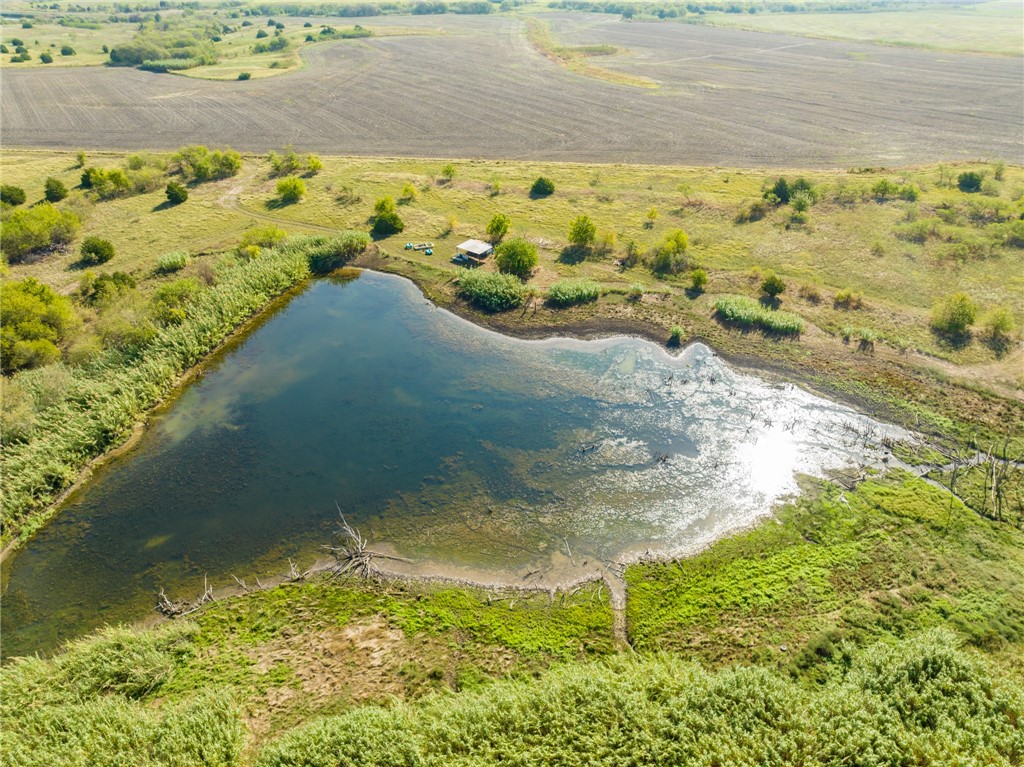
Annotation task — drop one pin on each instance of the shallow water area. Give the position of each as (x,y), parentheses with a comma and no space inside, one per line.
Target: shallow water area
(452,446)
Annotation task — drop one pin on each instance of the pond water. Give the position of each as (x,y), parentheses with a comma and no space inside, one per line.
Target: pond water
(458,448)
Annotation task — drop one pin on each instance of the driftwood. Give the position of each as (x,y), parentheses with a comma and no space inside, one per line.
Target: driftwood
(183,607)
(353,557)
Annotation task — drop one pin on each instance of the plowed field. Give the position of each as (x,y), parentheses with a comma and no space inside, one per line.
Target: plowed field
(480,90)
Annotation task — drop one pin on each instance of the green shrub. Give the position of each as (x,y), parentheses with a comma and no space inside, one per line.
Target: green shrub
(747,312)
(542,187)
(95,250)
(849,299)
(384,205)
(582,232)
(258,237)
(330,253)
(491,291)
(998,324)
(954,314)
(636,292)
(572,292)
(291,190)
(176,193)
(676,335)
(244,75)
(448,172)
(670,257)
(54,190)
(33,321)
(172,262)
(67,50)
(772,285)
(199,163)
(104,289)
(46,57)
(498,227)
(387,223)
(35,229)
(969,181)
(698,280)
(12,195)
(517,256)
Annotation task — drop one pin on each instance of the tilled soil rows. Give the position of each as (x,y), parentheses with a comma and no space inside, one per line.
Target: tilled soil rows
(725,97)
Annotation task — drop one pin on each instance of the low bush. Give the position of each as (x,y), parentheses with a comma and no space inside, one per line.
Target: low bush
(517,256)
(35,229)
(954,314)
(747,312)
(104,289)
(54,190)
(172,262)
(698,280)
(329,253)
(12,195)
(676,335)
(772,285)
(67,50)
(96,250)
(244,75)
(34,320)
(969,181)
(387,223)
(542,187)
(670,257)
(572,292)
(176,193)
(199,163)
(291,190)
(849,299)
(491,291)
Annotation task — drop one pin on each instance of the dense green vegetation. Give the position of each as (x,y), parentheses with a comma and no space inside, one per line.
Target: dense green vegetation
(879,625)
(746,312)
(572,292)
(491,291)
(58,417)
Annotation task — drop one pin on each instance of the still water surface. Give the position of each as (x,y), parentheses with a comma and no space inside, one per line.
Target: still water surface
(454,446)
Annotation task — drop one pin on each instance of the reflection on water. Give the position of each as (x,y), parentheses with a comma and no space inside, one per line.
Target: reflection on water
(447,442)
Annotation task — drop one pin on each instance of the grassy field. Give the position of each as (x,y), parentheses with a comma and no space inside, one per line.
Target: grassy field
(987,27)
(731,98)
(797,604)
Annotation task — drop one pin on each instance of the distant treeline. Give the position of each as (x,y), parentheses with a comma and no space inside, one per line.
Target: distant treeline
(123,12)
(676,9)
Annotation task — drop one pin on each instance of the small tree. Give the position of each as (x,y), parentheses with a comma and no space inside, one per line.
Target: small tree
(409,194)
(176,193)
(448,172)
(12,195)
(516,256)
(67,50)
(46,57)
(772,285)
(261,34)
(96,251)
(998,324)
(80,158)
(670,256)
(698,280)
(498,227)
(779,192)
(542,187)
(954,314)
(652,216)
(969,181)
(55,191)
(290,190)
(384,205)
(313,164)
(801,201)
(387,223)
(582,232)
(244,75)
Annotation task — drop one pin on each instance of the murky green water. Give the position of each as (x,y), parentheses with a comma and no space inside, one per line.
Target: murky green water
(455,446)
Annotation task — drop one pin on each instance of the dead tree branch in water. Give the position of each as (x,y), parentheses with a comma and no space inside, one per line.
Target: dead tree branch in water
(183,607)
(353,557)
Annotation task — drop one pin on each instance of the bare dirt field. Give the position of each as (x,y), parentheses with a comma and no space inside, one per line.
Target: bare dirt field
(480,90)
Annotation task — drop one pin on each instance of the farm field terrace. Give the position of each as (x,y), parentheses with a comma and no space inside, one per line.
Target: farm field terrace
(669,93)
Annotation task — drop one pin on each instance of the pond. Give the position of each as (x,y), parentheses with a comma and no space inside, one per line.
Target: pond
(462,450)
